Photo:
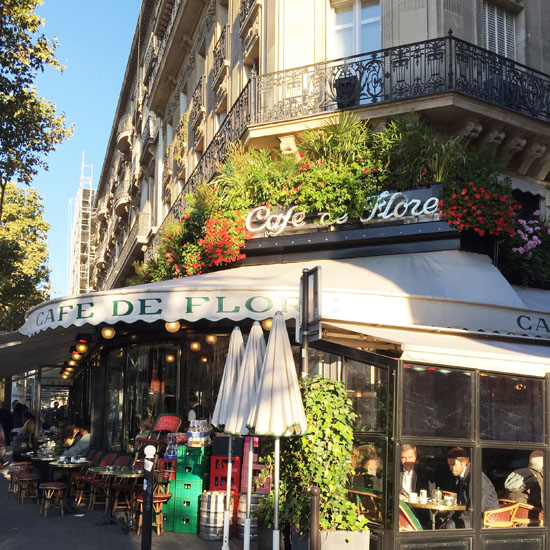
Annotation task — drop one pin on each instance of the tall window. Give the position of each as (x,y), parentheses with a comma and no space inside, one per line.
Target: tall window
(355,27)
(499,30)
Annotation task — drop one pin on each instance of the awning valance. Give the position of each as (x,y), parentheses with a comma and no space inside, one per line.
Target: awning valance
(513,355)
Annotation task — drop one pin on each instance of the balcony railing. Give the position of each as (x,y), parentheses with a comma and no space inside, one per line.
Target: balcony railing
(140,228)
(400,73)
(198,106)
(245,9)
(422,69)
(220,56)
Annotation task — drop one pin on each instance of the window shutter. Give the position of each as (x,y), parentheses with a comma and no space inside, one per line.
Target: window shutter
(499,30)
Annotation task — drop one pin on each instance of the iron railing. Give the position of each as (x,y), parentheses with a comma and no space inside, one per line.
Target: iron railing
(404,72)
(220,54)
(245,9)
(197,102)
(139,228)
(411,71)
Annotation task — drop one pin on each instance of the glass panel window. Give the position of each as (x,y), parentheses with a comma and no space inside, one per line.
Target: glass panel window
(355,28)
(518,476)
(367,485)
(367,387)
(115,398)
(437,402)
(435,488)
(324,364)
(511,408)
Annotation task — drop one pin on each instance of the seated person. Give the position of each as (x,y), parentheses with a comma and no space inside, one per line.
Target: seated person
(526,485)
(459,463)
(414,478)
(25,438)
(368,474)
(81,447)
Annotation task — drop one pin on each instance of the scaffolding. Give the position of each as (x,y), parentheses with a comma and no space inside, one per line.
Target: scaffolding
(80,222)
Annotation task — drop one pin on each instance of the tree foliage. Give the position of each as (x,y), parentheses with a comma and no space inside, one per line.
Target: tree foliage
(24,275)
(30,128)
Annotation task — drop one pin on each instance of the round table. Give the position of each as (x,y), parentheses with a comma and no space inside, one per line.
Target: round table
(435,507)
(124,473)
(67,467)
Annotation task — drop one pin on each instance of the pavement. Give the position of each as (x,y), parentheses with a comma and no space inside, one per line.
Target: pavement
(23,528)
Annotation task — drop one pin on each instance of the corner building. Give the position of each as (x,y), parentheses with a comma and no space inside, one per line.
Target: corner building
(436,348)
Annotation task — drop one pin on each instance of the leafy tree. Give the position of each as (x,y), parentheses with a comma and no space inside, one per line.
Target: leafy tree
(24,275)
(29,125)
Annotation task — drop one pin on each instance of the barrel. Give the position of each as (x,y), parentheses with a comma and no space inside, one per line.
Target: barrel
(211,516)
(241,515)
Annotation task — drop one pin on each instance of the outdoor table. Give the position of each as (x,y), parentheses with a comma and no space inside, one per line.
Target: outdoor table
(41,463)
(67,467)
(434,507)
(125,473)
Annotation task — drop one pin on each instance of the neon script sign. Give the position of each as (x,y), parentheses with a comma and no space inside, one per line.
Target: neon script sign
(384,207)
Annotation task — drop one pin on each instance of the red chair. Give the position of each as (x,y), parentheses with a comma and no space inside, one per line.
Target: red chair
(101,486)
(84,483)
(165,423)
(17,468)
(81,478)
(526,515)
(499,518)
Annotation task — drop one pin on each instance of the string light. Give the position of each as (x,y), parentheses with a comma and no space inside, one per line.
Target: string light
(108,333)
(172,326)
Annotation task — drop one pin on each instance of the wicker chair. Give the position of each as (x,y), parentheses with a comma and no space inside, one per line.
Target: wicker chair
(526,515)
(499,518)
(407,520)
(101,487)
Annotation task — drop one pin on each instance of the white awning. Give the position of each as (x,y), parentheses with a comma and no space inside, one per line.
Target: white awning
(513,355)
(434,290)
(439,289)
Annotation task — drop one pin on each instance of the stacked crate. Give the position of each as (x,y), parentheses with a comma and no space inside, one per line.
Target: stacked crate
(257,485)
(181,512)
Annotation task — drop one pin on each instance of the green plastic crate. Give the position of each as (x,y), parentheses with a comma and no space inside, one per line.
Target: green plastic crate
(186,523)
(191,471)
(187,505)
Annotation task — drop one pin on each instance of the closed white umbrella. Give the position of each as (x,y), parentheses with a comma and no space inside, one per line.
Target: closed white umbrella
(245,392)
(222,410)
(278,409)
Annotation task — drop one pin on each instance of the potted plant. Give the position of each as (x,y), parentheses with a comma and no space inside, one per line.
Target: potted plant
(322,457)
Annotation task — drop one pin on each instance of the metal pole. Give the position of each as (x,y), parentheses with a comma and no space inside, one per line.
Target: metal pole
(314,541)
(246,545)
(147,512)
(276,533)
(227,512)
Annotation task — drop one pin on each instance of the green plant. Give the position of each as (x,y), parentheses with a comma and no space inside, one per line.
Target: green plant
(321,457)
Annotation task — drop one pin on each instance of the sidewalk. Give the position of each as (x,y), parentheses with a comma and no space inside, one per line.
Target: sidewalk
(23,528)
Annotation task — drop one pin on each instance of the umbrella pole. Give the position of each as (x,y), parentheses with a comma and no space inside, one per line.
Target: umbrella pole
(246,545)
(276,533)
(227,512)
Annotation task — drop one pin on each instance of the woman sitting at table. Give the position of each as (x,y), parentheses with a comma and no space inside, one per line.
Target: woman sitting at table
(80,447)
(25,438)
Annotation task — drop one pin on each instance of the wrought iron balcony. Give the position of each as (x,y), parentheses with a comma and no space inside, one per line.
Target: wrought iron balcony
(246,10)
(198,106)
(432,67)
(404,72)
(221,61)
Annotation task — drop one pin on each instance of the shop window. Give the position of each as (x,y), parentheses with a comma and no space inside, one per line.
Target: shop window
(499,30)
(517,475)
(367,387)
(355,27)
(511,408)
(437,402)
(367,484)
(435,488)
(115,399)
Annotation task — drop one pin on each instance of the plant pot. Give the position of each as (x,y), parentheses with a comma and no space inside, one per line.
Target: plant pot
(333,540)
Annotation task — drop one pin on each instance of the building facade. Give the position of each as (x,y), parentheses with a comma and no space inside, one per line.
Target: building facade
(202,75)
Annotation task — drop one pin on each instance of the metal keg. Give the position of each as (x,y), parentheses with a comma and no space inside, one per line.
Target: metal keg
(211,516)
(241,515)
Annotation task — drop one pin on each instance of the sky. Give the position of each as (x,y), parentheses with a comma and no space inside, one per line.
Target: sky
(94,43)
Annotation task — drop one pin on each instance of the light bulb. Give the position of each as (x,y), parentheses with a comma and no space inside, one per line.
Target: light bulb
(195,346)
(82,347)
(267,324)
(211,338)
(108,332)
(172,326)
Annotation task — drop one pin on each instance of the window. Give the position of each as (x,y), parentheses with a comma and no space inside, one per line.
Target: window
(356,28)
(437,402)
(510,408)
(499,30)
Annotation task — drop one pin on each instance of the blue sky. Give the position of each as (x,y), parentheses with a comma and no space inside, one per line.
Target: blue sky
(95,38)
